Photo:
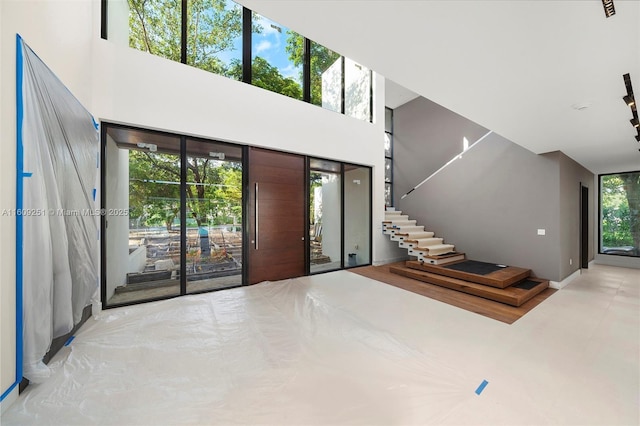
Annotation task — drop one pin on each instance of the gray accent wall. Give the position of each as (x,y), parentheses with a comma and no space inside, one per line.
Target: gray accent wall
(572,177)
(426,136)
(492,201)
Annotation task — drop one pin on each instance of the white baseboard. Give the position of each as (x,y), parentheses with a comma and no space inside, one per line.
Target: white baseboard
(558,285)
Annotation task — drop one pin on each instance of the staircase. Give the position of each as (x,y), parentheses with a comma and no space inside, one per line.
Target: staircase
(418,242)
(439,264)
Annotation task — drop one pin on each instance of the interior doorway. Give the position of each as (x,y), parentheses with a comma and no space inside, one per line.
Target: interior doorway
(584,227)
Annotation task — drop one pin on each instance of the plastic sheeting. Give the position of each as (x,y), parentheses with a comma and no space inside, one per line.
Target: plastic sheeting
(60,148)
(273,353)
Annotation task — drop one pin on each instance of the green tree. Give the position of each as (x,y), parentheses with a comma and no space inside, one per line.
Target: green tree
(621,210)
(631,185)
(213,188)
(154,192)
(155,26)
(268,77)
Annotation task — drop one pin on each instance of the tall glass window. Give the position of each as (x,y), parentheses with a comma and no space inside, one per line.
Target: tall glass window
(143,241)
(325,215)
(620,214)
(214,215)
(388,157)
(276,62)
(357,215)
(214,36)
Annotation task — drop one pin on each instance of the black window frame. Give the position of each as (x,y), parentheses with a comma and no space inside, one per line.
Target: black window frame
(600,246)
(386,157)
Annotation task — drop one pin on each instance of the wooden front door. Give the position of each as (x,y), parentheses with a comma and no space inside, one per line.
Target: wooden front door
(276,216)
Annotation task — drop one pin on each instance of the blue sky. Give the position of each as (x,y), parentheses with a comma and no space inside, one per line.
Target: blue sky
(269,44)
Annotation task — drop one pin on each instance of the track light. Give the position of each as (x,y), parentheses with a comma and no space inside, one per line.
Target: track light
(609,8)
(634,122)
(629,100)
(638,137)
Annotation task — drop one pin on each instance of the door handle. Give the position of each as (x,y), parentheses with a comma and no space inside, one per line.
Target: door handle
(257,220)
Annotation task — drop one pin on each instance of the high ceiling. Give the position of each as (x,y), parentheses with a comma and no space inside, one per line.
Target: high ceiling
(546,75)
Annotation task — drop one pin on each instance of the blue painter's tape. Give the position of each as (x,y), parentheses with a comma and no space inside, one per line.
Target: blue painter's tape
(481,387)
(27,174)
(95,123)
(19,205)
(69,340)
(95,191)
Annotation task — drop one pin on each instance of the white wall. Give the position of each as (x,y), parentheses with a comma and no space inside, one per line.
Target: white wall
(60,32)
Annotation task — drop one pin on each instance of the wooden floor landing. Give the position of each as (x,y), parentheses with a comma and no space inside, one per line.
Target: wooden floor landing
(495,310)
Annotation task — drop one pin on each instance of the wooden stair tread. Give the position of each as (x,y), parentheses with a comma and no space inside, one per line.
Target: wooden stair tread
(513,296)
(500,279)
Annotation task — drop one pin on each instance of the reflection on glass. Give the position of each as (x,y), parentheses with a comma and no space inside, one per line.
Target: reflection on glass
(326,78)
(388,197)
(214,37)
(357,85)
(357,222)
(143,227)
(388,170)
(214,216)
(155,27)
(387,145)
(620,214)
(277,56)
(325,189)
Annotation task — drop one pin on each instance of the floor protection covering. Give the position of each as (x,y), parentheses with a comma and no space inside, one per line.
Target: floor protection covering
(273,353)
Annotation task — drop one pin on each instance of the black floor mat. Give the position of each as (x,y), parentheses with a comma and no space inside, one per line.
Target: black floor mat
(526,284)
(475,267)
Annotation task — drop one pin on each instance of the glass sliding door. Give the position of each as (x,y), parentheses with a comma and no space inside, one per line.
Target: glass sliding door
(173,215)
(325,215)
(214,216)
(142,216)
(357,215)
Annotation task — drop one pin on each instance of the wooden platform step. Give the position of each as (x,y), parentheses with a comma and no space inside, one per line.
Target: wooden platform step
(503,277)
(515,295)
